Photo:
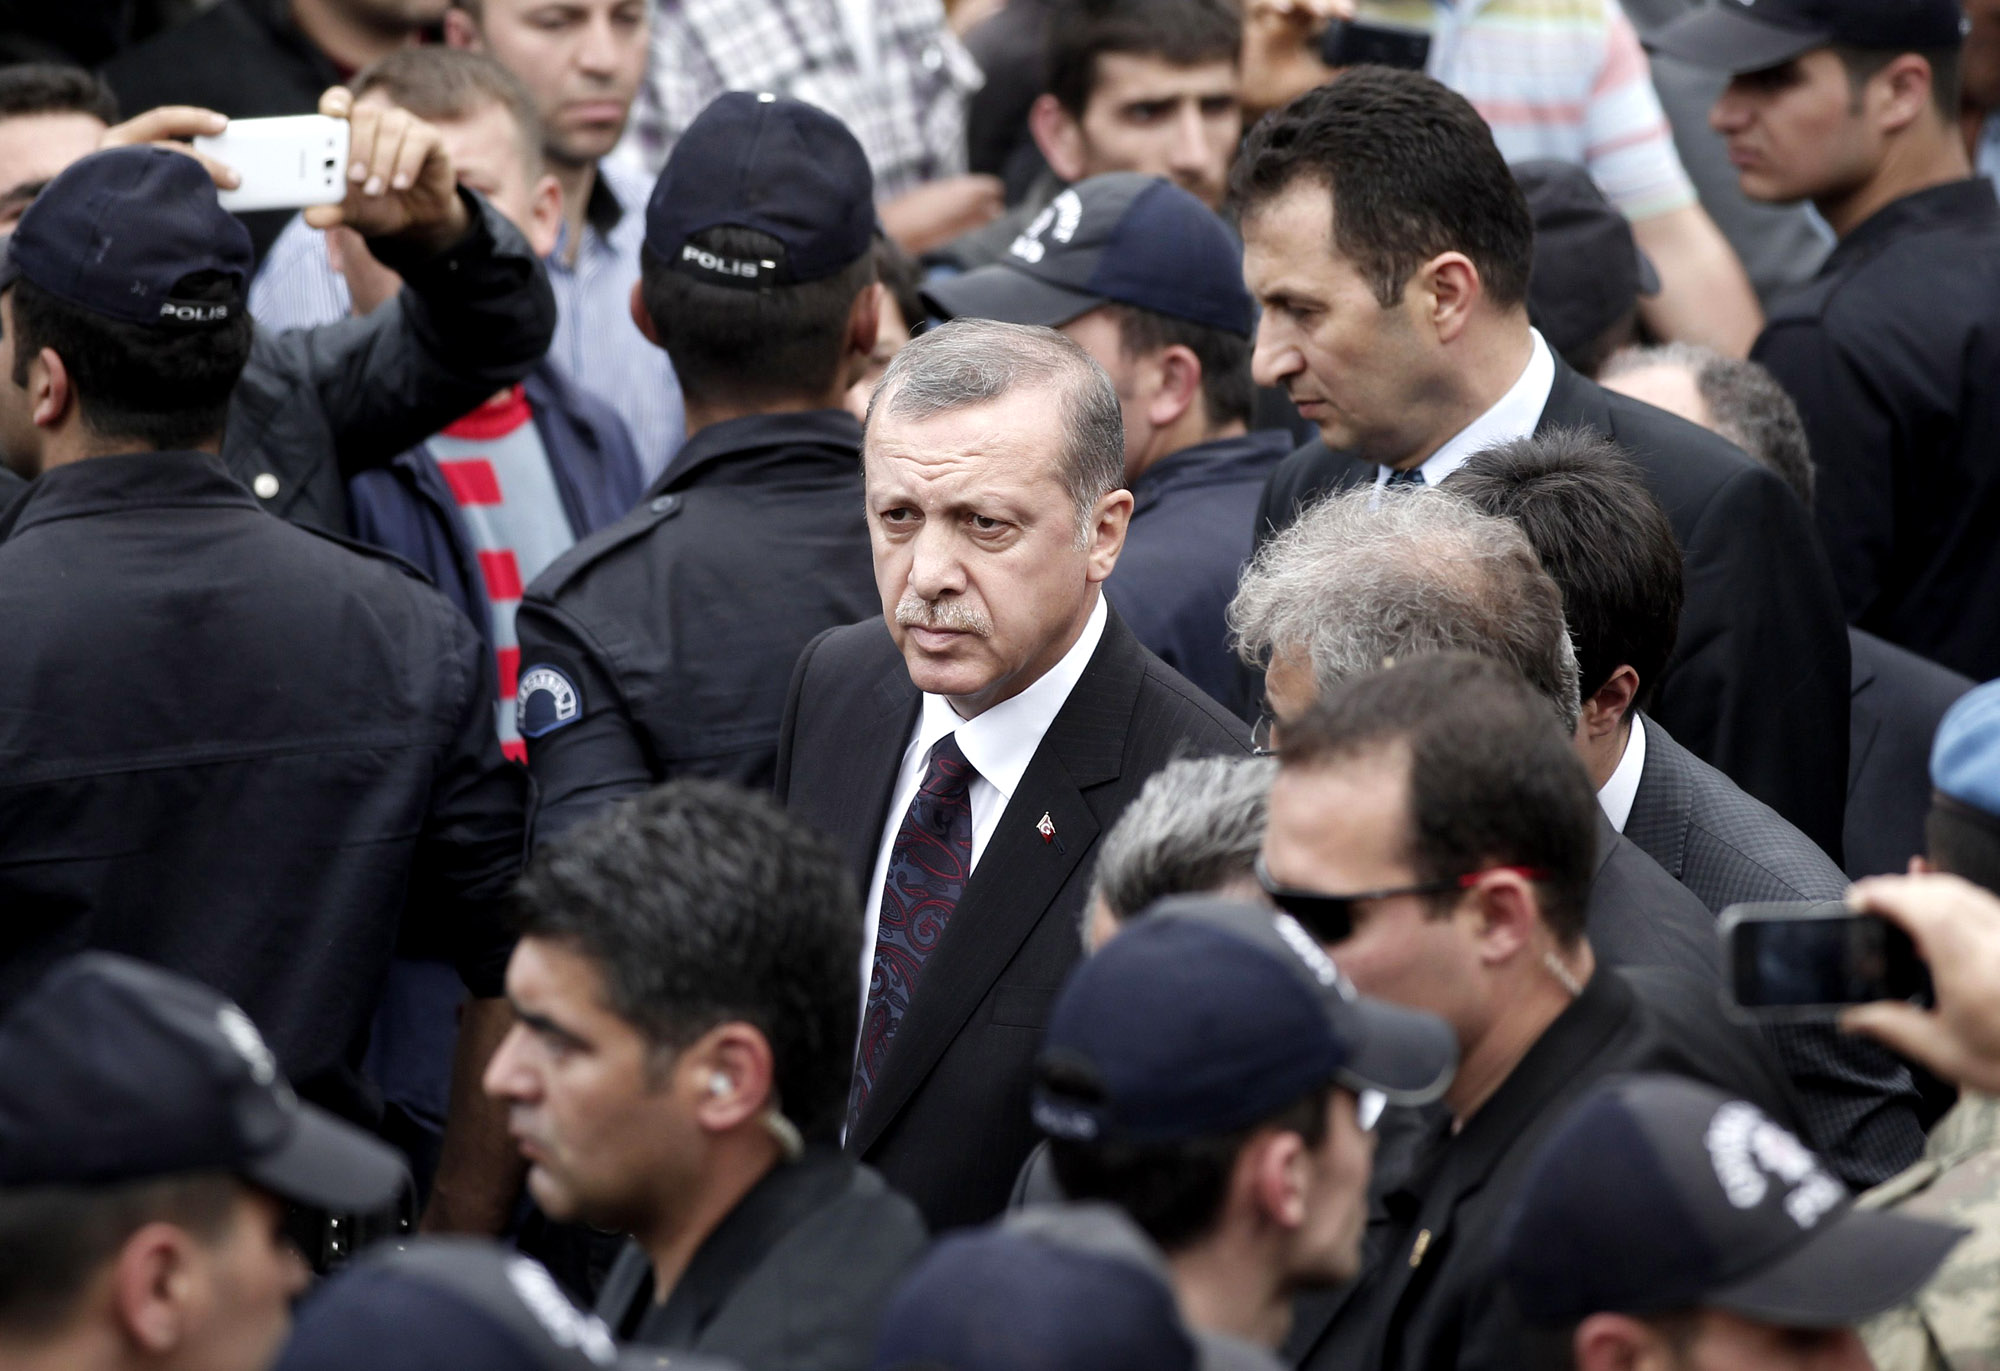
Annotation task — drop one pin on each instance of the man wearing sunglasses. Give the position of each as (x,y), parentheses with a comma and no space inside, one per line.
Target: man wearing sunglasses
(1432,827)
(1211,1077)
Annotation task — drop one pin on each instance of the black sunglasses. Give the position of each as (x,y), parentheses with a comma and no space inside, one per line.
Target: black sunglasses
(1330,918)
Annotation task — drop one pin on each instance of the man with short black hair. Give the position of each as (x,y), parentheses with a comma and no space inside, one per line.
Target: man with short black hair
(1431,826)
(1390,249)
(1609,548)
(660,646)
(1853,105)
(49,116)
(148,1147)
(1150,284)
(685,1015)
(1147,86)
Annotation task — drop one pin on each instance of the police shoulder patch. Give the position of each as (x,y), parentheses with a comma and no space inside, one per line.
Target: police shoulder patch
(544,701)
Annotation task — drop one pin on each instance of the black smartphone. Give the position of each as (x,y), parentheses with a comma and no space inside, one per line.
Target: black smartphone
(1808,960)
(1350,43)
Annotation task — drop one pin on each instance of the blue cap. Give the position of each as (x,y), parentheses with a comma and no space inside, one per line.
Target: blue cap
(1121,238)
(773,164)
(1755,35)
(1205,1016)
(996,1300)
(454,1304)
(115,1071)
(117,230)
(1655,1194)
(1965,756)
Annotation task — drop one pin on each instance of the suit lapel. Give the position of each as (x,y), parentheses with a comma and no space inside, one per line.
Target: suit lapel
(881,732)
(1019,875)
(1663,805)
(1574,402)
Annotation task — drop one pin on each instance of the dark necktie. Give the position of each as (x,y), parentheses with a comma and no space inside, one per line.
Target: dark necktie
(928,866)
(1413,477)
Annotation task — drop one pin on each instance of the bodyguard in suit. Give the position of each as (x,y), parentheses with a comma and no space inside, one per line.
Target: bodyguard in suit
(1609,547)
(1390,250)
(965,751)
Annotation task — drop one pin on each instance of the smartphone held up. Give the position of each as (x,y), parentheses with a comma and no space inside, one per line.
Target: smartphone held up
(289,162)
(1805,960)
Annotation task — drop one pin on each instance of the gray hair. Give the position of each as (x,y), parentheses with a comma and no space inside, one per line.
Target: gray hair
(1195,826)
(1368,577)
(971,361)
(1745,403)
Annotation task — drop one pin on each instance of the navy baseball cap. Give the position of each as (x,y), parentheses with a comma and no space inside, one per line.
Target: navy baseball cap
(454,1304)
(773,164)
(1657,1194)
(117,230)
(1206,1016)
(998,1300)
(1588,270)
(1121,238)
(113,1071)
(1751,35)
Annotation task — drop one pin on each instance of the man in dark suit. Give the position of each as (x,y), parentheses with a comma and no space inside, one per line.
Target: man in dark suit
(1356,582)
(1390,250)
(1610,549)
(965,751)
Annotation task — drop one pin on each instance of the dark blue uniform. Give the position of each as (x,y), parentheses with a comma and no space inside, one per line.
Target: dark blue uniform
(240,750)
(1193,520)
(663,645)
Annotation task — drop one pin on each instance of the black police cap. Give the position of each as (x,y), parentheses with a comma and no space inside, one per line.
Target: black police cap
(1753,35)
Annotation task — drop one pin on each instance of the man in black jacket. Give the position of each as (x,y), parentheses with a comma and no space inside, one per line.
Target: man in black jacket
(660,646)
(1431,826)
(966,749)
(1390,250)
(1608,546)
(684,993)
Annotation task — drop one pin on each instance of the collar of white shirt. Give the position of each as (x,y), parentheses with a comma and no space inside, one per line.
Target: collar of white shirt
(1623,788)
(1513,416)
(1001,741)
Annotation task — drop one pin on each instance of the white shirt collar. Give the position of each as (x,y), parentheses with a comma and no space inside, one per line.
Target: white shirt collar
(1514,415)
(1623,788)
(1001,741)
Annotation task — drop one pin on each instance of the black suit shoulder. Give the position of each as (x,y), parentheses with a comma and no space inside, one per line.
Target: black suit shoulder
(1899,698)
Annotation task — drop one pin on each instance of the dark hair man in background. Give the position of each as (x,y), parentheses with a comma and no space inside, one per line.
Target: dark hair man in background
(661,646)
(1854,106)
(1432,827)
(225,739)
(1124,85)
(1588,273)
(1609,548)
(314,406)
(685,1016)
(148,1147)
(49,116)
(1150,284)
(1897,697)
(965,750)
(1390,249)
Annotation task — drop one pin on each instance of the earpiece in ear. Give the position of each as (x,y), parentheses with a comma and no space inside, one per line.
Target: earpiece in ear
(718,1084)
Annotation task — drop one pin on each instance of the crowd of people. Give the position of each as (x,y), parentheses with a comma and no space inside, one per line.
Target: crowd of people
(858,685)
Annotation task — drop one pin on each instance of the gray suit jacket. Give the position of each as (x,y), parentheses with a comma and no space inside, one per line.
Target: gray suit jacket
(1728,848)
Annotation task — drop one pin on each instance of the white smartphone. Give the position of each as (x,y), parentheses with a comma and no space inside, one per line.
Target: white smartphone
(286,163)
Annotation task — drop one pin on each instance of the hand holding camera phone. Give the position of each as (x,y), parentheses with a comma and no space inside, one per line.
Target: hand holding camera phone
(284,163)
(1804,960)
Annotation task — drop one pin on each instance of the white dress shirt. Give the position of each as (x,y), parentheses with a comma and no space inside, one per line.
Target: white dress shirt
(999,743)
(1513,416)
(1623,788)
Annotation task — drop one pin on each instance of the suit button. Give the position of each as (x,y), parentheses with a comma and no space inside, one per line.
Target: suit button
(665,504)
(265,486)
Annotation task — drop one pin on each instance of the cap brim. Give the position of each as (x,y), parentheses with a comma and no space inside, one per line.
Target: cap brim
(1722,39)
(1407,1055)
(1009,296)
(1862,1264)
(332,1165)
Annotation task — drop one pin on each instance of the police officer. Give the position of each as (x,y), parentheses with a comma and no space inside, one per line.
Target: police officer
(1889,351)
(1665,1224)
(663,645)
(227,745)
(148,1143)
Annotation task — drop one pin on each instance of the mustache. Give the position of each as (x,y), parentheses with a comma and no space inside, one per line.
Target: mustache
(914,611)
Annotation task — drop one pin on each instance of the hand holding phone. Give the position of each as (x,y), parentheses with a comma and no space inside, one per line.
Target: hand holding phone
(283,163)
(1351,43)
(1791,961)
(1956,928)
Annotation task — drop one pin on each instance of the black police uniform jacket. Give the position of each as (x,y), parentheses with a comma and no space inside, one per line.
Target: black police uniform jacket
(662,645)
(1758,682)
(947,1121)
(240,750)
